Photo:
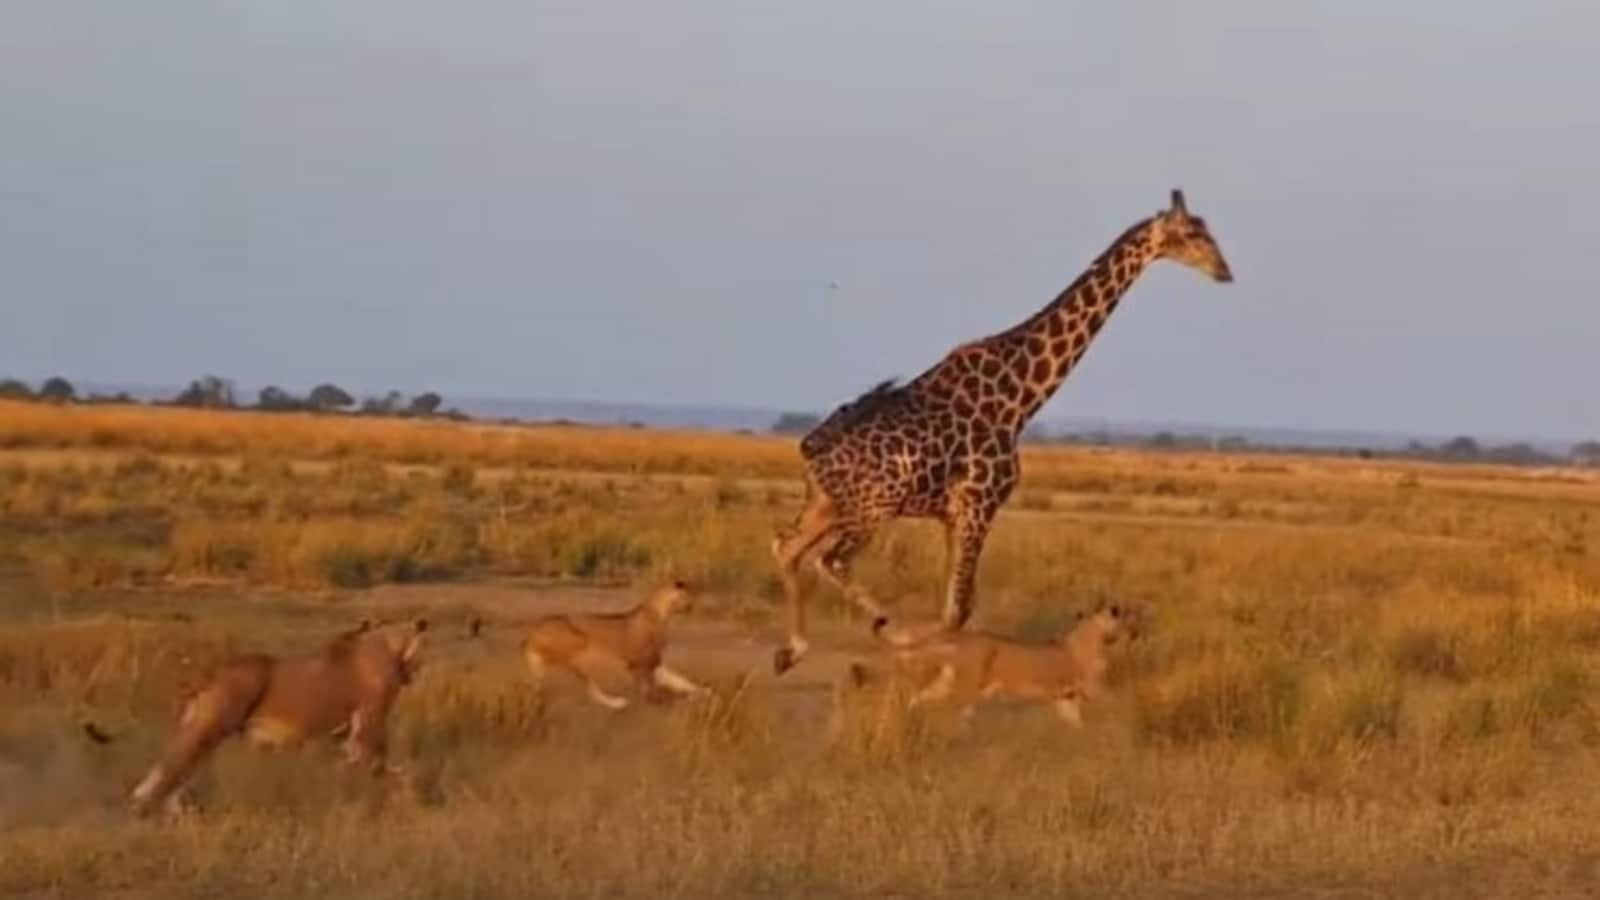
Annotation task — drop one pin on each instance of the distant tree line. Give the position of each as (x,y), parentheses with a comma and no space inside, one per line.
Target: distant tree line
(1464,449)
(53,390)
(216,392)
(1457,449)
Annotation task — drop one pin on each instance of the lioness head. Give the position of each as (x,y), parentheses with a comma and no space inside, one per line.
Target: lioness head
(1112,621)
(404,643)
(675,598)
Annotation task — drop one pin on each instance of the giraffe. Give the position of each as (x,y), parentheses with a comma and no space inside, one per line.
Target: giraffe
(943,446)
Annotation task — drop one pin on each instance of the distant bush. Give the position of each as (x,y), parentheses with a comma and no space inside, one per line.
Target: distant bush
(276,399)
(387,405)
(58,390)
(425,404)
(329,396)
(1461,448)
(1586,453)
(795,423)
(207,392)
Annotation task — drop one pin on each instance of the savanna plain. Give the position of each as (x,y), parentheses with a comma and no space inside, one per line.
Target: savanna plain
(1358,678)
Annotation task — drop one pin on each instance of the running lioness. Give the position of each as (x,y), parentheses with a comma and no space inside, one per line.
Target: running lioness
(971,666)
(348,685)
(633,640)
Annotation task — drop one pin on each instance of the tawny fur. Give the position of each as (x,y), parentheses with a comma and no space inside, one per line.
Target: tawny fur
(969,667)
(634,641)
(347,686)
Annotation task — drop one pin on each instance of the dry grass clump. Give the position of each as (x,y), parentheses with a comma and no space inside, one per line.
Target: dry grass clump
(1228,697)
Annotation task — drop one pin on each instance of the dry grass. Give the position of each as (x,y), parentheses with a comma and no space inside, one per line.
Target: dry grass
(171,430)
(1359,679)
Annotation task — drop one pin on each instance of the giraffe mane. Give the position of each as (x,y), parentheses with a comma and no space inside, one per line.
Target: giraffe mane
(877,390)
(869,400)
(847,414)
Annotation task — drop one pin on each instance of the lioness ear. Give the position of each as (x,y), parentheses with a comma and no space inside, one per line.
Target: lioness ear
(421,625)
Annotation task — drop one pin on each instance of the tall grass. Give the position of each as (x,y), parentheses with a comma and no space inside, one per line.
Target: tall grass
(741,796)
(1355,679)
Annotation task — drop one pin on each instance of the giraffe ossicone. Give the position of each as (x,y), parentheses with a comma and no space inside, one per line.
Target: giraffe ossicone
(944,445)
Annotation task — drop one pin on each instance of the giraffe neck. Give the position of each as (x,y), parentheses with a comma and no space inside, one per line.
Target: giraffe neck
(1047,346)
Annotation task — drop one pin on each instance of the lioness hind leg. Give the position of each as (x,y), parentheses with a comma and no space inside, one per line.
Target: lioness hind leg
(673,681)
(155,785)
(165,780)
(938,689)
(537,668)
(598,695)
(178,803)
(368,744)
(206,720)
(1068,709)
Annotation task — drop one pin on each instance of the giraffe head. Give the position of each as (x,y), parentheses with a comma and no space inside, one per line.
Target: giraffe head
(1184,238)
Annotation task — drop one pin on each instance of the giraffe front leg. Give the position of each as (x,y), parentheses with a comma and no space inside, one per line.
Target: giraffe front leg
(965,534)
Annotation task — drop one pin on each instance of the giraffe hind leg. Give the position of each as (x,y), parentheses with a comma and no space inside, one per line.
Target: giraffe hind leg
(789,546)
(834,565)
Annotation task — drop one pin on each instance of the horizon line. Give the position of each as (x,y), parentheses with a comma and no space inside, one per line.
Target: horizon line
(1080,423)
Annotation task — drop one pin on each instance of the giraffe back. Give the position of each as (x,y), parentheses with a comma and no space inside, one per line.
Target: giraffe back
(903,451)
(848,415)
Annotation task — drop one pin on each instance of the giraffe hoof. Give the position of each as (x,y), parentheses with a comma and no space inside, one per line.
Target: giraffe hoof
(783,660)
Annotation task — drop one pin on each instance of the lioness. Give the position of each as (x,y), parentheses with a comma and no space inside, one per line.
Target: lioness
(634,640)
(972,666)
(348,685)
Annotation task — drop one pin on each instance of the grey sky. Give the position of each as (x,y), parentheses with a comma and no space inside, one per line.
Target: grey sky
(647,201)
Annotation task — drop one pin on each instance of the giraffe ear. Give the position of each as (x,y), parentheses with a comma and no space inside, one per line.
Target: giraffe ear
(1177,202)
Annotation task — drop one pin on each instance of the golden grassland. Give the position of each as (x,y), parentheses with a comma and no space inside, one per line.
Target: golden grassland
(308,436)
(1361,678)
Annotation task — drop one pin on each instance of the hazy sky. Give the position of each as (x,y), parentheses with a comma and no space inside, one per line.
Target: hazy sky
(647,201)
